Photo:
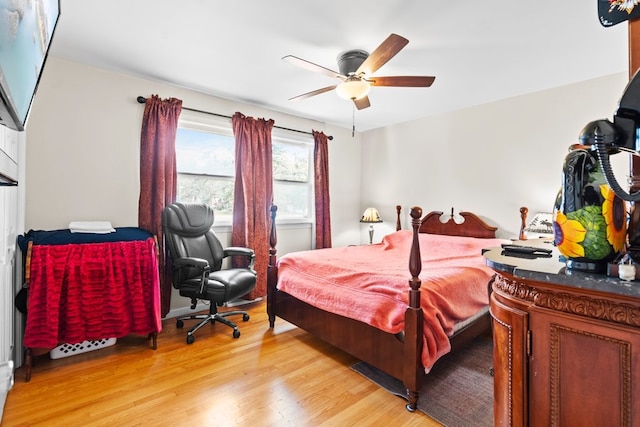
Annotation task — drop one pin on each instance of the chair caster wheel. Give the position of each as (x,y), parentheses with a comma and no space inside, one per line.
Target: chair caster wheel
(190,339)
(245,317)
(179,324)
(236,333)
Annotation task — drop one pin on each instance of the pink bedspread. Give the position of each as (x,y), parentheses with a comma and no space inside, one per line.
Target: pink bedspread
(370,283)
(81,292)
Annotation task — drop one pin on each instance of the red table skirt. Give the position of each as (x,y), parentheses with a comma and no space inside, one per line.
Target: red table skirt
(92,291)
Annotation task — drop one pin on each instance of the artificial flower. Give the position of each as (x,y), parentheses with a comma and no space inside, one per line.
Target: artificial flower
(626,5)
(614,213)
(568,236)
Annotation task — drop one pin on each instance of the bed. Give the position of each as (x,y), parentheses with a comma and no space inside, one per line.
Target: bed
(408,342)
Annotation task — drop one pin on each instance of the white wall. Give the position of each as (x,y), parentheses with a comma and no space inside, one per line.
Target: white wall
(82,153)
(491,159)
(83,148)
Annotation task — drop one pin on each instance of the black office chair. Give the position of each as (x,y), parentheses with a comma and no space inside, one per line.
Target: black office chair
(197,256)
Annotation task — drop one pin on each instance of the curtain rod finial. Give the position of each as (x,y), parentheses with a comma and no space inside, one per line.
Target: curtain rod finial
(141,99)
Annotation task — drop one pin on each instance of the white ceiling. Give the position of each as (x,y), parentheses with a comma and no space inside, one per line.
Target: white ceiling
(479,51)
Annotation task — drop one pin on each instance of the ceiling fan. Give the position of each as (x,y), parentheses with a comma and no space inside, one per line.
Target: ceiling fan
(356,68)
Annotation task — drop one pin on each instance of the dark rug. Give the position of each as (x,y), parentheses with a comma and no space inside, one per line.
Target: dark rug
(457,392)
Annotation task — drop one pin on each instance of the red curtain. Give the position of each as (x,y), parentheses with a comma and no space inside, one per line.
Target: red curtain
(321,184)
(158,177)
(253,193)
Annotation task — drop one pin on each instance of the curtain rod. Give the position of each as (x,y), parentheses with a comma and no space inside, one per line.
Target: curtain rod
(142,100)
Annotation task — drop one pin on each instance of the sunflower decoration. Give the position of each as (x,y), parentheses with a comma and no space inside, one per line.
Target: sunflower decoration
(623,5)
(594,231)
(614,212)
(612,12)
(568,236)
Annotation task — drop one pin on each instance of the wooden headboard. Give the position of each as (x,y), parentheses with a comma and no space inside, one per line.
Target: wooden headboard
(472,226)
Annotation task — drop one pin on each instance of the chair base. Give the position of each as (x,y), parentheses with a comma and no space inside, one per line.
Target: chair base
(211,318)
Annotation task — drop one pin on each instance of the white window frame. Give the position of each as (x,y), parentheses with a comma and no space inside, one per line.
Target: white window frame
(295,138)
(212,124)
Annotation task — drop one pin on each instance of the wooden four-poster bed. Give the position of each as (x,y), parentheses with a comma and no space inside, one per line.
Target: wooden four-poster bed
(439,310)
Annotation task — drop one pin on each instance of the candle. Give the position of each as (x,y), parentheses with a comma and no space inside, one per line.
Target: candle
(627,271)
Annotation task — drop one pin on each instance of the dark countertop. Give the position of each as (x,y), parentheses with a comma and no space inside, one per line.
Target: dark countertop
(553,270)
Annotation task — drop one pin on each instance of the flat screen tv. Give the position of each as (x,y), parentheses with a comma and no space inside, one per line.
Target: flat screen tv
(26,30)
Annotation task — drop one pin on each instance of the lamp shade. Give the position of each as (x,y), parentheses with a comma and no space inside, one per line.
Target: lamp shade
(542,223)
(353,89)
(370,215)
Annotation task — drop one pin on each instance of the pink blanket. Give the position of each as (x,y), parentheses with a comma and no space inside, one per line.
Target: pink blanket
(370,283)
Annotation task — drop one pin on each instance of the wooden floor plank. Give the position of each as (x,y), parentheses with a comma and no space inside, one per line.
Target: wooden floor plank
(267,377)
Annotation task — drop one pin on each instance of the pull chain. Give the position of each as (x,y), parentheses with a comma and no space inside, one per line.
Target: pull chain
(353,121)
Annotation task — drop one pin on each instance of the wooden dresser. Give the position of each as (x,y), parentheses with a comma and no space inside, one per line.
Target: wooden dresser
(566,344)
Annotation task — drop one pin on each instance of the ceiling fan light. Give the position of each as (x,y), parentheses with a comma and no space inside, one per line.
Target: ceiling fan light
(353,89)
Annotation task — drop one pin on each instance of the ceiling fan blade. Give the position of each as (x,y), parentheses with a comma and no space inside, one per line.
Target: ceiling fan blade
(383,53)
(303,63)
(362,103)
(402,81)
(313,93)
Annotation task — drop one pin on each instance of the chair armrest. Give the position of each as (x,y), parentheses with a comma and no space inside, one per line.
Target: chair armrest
(237,251)
(199,263)
(191,262)
(240,251)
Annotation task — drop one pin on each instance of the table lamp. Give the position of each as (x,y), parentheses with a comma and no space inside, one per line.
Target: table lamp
(370,216)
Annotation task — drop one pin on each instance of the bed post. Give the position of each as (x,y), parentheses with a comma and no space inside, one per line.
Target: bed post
(413,369)
(523,223)
(272,269)
(398,223)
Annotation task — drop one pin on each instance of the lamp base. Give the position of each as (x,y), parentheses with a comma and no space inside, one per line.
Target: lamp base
(370,234)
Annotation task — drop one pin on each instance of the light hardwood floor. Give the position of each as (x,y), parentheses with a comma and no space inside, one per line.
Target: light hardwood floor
(267,377)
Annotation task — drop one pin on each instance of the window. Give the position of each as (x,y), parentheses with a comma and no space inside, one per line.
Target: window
(205,164)
(292,177)
(205,159)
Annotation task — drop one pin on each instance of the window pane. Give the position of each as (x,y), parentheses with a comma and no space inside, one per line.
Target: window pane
(204,153)
(216,192)
(292,199)
(291,161)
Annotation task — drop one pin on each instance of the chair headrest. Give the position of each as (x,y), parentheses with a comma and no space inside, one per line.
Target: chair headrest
(188,219)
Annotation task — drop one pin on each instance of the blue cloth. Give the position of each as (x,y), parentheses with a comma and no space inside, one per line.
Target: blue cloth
(65,236)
